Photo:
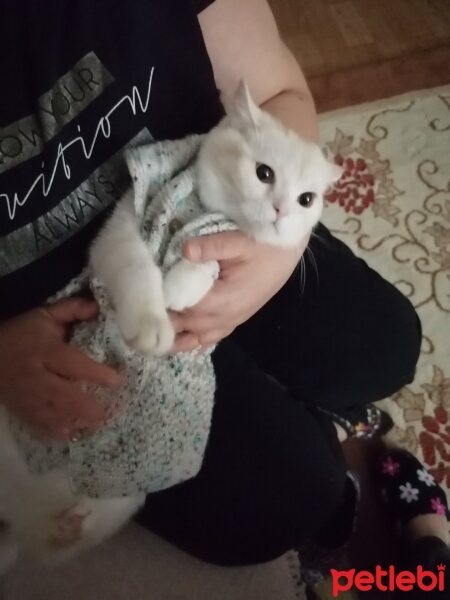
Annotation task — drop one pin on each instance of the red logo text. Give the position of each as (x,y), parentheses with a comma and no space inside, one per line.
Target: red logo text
(387,580)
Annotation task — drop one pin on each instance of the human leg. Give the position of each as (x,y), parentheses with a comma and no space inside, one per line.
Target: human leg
(346,338)
(273,473)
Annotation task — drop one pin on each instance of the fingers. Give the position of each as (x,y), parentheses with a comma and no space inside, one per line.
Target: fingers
(194,322)
(213,337)
(74,364)
(219,246)
(205,324)
(177,320)
(200,322)
(215,303)
(67,409)
(62,409)
(44,420)
(187,341)
(73,406)
(46,433)
(69,310)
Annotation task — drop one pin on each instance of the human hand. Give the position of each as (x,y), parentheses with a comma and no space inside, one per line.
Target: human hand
(40,372)
(250,274)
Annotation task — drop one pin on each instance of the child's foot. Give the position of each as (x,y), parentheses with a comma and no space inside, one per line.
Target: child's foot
(412,496)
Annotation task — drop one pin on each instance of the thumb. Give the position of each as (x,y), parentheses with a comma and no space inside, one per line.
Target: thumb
(218,246)
(68,310)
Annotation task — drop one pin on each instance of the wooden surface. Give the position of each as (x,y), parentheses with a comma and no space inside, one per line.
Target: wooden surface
(355,51)
(417,71)
(331,35)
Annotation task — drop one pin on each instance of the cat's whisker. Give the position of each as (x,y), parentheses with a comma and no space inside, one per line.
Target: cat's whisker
(302,266)
(313,260)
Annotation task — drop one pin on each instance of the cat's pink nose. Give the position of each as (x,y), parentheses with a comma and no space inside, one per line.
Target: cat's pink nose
(279,210)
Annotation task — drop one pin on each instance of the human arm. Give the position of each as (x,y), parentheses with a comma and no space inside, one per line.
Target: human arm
(243,43)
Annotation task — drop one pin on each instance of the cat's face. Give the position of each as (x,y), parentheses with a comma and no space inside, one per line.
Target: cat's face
(263,176)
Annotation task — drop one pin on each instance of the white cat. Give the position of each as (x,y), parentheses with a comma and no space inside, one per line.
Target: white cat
(256,172)
(251,168)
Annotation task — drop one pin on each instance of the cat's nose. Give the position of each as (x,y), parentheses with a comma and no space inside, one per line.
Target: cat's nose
(279,210)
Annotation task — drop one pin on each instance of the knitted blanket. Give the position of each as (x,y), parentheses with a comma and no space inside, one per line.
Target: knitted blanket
(158,422)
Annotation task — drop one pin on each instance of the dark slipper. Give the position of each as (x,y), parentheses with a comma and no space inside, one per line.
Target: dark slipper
(363,422)
(407,488)
(327,549)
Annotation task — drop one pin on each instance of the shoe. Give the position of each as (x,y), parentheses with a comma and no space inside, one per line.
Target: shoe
(327,549)
(362,422)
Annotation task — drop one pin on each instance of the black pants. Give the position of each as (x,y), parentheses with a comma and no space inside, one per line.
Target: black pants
(274,473)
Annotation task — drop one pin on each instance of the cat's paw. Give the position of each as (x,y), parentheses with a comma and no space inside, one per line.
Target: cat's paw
(148,332)
(67,527)
(187,283)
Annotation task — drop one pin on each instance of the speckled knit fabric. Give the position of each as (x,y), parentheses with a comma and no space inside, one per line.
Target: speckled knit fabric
(159,421)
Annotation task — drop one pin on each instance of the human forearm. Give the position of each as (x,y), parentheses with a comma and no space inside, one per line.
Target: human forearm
(244,43)
(297,111)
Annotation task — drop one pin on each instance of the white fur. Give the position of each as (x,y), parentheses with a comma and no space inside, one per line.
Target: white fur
(228,182)
(185,284)
(122,261)
(44,518)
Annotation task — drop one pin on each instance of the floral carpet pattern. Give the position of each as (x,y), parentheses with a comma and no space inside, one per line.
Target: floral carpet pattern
(392,207)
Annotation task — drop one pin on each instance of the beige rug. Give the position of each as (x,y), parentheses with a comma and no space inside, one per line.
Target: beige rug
(393,209)
(136,565)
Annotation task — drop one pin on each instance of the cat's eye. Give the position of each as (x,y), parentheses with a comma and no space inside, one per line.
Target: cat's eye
(265,173)
(306,199)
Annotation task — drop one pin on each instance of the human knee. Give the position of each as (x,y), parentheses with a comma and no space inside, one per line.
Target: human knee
(264,533)
(402,340)
(302,499)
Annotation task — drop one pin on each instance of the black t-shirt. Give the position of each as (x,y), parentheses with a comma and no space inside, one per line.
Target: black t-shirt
(79,82)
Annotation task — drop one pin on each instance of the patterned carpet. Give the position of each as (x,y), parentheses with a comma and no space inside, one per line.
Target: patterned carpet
(392,207)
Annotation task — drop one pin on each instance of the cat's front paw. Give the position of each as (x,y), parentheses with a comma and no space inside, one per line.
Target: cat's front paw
(148,333)
(187,283)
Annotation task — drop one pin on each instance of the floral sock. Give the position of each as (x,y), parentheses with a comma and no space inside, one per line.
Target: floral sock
(407,488)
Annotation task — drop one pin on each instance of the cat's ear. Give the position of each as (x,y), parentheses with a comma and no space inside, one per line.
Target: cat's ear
(334,172)
(244,106)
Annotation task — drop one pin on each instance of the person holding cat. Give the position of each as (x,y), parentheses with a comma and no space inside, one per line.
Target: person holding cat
(85,82)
